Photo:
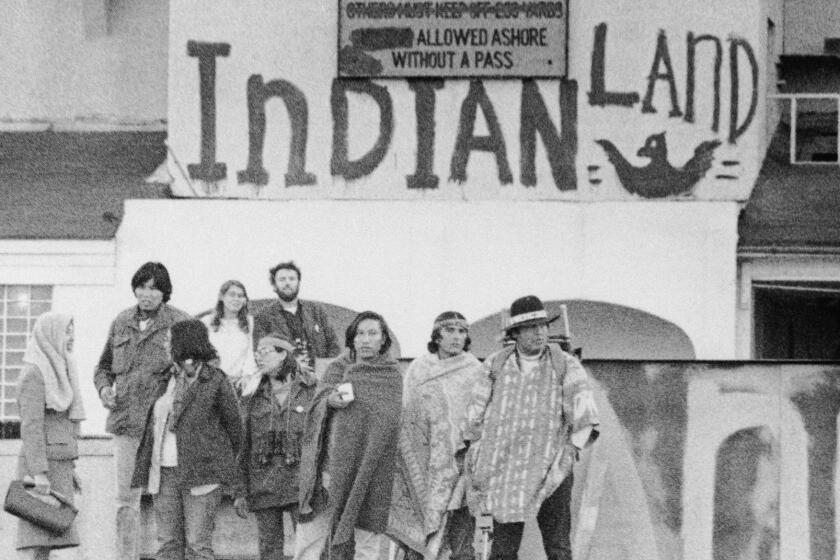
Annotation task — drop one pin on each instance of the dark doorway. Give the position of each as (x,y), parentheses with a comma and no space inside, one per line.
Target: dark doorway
(796,320)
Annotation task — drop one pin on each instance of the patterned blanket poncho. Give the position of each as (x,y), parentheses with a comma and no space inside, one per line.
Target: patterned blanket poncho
(428,482)
(523,427)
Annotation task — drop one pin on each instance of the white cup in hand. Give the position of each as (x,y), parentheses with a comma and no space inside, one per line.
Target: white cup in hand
(345,391)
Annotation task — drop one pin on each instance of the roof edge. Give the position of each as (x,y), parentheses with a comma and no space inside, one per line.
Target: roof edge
(758,251)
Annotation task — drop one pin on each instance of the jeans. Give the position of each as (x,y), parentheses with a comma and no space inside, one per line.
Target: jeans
(270,531)
(460,533)
(555,522)
(128,499)
(185,522)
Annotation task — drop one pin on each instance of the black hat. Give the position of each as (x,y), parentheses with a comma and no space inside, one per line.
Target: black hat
(527,311)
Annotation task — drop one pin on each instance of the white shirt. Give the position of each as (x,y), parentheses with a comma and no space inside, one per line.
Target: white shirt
(236,357)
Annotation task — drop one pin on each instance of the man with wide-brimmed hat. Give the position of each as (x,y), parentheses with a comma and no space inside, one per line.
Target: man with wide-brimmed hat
(530,415)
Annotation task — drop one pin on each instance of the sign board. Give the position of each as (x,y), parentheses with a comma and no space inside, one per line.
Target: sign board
(470,38)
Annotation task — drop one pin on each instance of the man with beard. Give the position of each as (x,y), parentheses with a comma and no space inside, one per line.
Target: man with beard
(428,516)
(304,323)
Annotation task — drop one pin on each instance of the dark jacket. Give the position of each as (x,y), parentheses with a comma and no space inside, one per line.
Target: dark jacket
(129,360)
(208,432)
(270,456)
(321,336)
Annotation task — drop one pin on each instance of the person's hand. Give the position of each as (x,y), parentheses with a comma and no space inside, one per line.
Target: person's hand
(77,483)
(334,400)
(42,483)
(240,505)
(306,368)
(460,456)
(108,397)
(303,363)
(573,452)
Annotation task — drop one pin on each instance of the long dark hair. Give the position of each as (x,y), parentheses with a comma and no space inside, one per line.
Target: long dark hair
(219,312)
(153,271)
(350,333)
(190,342)
(434,343)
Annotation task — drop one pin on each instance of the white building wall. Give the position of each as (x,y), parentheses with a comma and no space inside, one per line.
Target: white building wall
(410,260)
(83,64)
(82,275)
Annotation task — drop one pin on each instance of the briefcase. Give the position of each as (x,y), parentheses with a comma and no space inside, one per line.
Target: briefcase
(21,503)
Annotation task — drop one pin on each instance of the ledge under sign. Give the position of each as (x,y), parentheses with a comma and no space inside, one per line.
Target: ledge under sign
(471,38)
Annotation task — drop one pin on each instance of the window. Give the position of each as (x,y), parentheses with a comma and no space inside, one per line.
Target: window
(20,305)
(812,120)
(796,320)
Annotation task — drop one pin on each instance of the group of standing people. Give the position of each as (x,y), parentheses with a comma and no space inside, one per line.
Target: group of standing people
(231,404)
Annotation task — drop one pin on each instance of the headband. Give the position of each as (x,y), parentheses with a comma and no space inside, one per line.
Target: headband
(452,322)
(277,342)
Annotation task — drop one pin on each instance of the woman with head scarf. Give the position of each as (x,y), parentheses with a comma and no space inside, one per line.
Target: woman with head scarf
(274,413)
(187,454)
(50,412)
(350,447)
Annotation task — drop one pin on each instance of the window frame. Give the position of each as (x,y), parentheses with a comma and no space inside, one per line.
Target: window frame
(793,99)
(35,299)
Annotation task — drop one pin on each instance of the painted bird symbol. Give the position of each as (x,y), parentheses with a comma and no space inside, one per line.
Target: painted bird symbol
(659,178)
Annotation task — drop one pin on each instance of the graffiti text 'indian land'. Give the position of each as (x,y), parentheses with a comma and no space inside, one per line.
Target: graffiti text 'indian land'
(560,142)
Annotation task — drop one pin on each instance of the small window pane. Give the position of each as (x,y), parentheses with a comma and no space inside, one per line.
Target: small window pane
(10,392)
(10,410)
(42,293)
(37,308)
(18,309)
(16,326)
(14,358)
(40,307)
(15,342)
(17,292)
(10,375)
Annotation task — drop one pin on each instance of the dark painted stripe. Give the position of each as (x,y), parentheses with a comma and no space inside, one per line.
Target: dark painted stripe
(384,38)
